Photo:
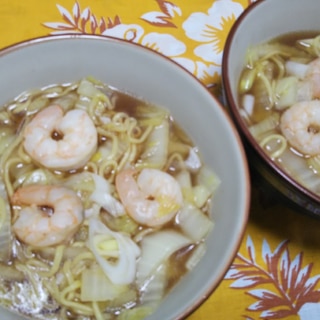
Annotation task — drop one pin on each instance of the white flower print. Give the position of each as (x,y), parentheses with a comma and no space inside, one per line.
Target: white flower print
(86,22)
(162,18)
(211,28)
(309,311)
(165,44)
(199,69)
(129,32)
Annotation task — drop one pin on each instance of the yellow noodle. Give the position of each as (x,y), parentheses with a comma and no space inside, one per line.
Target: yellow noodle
(120,117)
(108,168)
(283,144)
(72,287)
(3,212)
(83,256)
(100,100)
(125,159)
(317,45)
(63,314)
(133,128)
(29,252)
(6,174)
(280,65)
(130,123)
(118,123)
(174,157)
(77,307)
(79,244)
(4,116)
(314,163)
(23,97)
(91,167)
(133,153)
(268,86)
(23,155)
(179,147)
(58,91)
(272,53)
(21,106)
(71,294)
(36,263)
(31,275)
(20,254)
(97,312)
(66,268)
(72,270)
(79,268)
(142,137)
(114,138)
(92,108)
(58,256)
(9,150)
(52,287)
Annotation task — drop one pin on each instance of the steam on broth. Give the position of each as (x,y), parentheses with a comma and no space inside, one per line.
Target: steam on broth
(279,92)
(104,203)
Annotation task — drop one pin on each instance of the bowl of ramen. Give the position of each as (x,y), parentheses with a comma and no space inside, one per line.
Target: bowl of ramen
(271,69)
(124,183)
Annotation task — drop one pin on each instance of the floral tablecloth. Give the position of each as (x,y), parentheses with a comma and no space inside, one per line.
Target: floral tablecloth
(276,272)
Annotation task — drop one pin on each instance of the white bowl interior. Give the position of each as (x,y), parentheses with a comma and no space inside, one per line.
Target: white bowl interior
(266,20)
(136,70)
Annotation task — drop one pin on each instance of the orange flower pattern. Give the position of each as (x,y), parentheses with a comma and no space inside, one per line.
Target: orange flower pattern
(292,288)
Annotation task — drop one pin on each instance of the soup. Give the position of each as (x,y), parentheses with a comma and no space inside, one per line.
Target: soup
(279,97)
(104,203)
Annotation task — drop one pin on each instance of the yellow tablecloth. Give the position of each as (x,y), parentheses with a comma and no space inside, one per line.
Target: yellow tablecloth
(276,272)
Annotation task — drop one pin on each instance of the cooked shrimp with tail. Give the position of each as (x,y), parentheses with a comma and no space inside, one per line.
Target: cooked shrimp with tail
(151,197)
(312,77)
(300,124)
(48,215)
(61,141)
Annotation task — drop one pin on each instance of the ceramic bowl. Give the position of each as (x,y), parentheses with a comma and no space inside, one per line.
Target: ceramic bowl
(148,75)
(262,21)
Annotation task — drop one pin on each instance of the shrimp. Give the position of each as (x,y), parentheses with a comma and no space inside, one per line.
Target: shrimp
(312,77)
(300,124)
(49,215)
(152,199)
(60,141)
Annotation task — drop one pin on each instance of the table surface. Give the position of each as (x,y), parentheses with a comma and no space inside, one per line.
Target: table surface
(276,272)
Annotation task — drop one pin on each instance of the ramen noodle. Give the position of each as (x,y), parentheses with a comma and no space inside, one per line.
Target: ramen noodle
(104,203)
(279,92)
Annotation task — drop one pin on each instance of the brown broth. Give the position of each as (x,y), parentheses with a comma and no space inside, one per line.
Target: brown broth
(291,38)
